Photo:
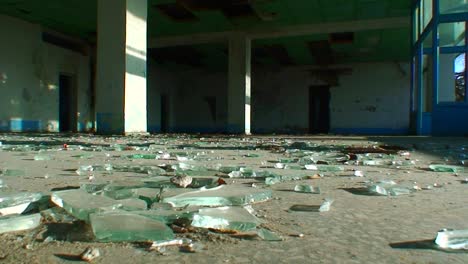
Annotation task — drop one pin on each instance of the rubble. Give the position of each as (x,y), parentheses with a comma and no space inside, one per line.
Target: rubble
(172,195)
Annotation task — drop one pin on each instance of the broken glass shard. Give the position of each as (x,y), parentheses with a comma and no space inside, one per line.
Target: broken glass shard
(57,215)
(42,157)
(13,173)
(326,205)
(16,203)
(243,173)
(452,239)
(226,218)
(93,187)
(124,226)
(81,204)
(279,166)
(158,182)
(293,167)
(119,194)
(19,223)
(307,189)
(387,187)
(286,160)
(152,170)
(275,178)
(167,216)
(133,204)
(324,168)
(227,169)
(89,169)
(404,163)
(372,162)
(446,168)
(199,182)
(220,196)
(142,156)
(267,235)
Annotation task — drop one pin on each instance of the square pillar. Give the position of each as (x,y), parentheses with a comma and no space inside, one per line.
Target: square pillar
(239,85)
(121,106)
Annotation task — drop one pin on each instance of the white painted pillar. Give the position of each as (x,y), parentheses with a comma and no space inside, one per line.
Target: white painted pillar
(121,67)
(239,83)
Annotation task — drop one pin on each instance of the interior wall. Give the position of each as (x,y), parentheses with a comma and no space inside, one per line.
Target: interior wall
(373,98)
(29,76)
(160,82)
(197,99)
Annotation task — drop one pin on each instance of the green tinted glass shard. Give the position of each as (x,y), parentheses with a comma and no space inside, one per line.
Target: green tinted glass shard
(19,223)
(129,227)
(16,203)
(152,170)
(229,218)
(81,204)
(89,169)
(326,205)
(198,182)
(267,235)
(324,168)
(220,196)
(120,194)
(93,187)
(307,189)
(228,169)
(120,185)
(274,179)
(42,157)
(293,167)
(167,216)
(12,173)
(158,182)
(133,204)
(57,215)
(142,156)
(286,160)
(446,168)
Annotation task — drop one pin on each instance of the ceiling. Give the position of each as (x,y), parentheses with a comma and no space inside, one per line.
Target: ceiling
(179,17)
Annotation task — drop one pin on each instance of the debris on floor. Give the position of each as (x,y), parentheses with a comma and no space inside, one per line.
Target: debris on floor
(169,192)
(452,239)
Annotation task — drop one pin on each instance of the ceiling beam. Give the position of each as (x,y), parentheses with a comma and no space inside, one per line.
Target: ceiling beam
(288,31)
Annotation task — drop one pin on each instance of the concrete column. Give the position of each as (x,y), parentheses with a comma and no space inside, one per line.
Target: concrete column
(121,67)
(239,92)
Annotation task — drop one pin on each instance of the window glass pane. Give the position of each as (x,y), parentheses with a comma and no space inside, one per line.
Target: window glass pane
(452,34)
(452,78)
(427,42)
(417,74)
(427,83)
(427,12)
(416,25)
(453,6)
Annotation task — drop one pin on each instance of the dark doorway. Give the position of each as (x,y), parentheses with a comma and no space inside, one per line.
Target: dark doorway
(68,103)
(319,109)
(164,113)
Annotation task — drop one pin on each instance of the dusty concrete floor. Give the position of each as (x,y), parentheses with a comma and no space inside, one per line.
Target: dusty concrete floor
(358,229)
